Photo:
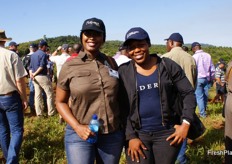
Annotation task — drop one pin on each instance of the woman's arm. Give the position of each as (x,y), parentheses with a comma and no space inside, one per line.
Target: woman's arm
(62,98)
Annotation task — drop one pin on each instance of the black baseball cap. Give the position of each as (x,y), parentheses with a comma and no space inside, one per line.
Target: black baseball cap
(94,24)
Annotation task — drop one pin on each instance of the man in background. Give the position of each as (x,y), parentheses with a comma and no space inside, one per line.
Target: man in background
(228,115)
(59,60)
(176,53)
(205,76)
(13,46)
(26,63)
(76,49)
(38,73)
(13,101)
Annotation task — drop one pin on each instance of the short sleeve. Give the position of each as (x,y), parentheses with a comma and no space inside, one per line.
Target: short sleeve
(64,77)
(19,70)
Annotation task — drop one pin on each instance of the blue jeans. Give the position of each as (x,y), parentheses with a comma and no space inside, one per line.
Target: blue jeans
(181,158)
(202,92)
(107,149)
(11,126)
(32,94)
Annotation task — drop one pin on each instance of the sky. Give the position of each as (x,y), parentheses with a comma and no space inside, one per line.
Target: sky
(204,21)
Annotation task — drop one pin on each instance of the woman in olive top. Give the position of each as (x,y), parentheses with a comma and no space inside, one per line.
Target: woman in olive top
(87,85)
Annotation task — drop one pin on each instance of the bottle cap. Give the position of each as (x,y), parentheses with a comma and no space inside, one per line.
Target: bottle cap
(94,117)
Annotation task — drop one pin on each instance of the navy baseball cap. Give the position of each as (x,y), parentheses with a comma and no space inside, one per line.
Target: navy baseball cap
(43,43)
(33,45)
(194,44)
(94,24)
(13,44)
(136,33)
(176,37)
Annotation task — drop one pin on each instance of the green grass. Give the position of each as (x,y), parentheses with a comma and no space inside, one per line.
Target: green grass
(44,140)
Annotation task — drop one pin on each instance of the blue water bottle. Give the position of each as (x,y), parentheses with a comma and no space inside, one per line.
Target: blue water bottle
(94,127)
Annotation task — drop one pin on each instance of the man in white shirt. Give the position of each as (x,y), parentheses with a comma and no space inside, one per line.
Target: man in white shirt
(59,60)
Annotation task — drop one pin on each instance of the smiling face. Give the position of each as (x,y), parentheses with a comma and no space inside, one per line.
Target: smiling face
(92,41)
(138,51)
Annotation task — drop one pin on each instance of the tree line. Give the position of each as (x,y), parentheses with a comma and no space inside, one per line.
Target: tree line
(111,47)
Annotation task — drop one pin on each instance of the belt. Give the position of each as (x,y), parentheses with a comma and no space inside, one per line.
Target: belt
(8,94)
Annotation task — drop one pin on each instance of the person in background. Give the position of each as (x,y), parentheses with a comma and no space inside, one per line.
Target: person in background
(185,48)
(152,134)
(59,60)
(26,63)
(87,85)
(13,46)
(38,73)
(76,49)
(220,82)
(121,56)
(228,115)
(70,50)
(205,76)
(176,52)
(13,101)
(50,65)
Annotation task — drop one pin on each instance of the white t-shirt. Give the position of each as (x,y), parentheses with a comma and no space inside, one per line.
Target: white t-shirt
(59,60)
(120,59)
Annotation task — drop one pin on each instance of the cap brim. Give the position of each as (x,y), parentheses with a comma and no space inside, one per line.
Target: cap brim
(98,30)
(126,42)
(130,39)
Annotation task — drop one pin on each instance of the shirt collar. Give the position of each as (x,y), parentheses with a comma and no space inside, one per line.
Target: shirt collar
(83,55)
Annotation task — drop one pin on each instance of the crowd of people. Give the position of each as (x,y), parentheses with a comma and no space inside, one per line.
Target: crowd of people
(132,93)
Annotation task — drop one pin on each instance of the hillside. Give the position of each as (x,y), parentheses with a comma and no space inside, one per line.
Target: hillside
(110,47)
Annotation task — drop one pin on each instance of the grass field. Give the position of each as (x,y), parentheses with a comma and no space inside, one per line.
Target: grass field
(43,140)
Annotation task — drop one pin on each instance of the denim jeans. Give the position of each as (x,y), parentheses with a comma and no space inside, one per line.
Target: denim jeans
(181,158)
(32,94)
(107,149)
(11,126)
(202,92)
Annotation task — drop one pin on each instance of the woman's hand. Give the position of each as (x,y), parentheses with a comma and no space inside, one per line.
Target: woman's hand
(83,131)
(180,134)
(135,149)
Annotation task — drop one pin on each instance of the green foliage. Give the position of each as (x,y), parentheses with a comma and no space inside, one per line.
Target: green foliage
(111,47)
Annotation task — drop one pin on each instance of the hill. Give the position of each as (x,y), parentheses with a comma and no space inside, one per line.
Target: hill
(111,47)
